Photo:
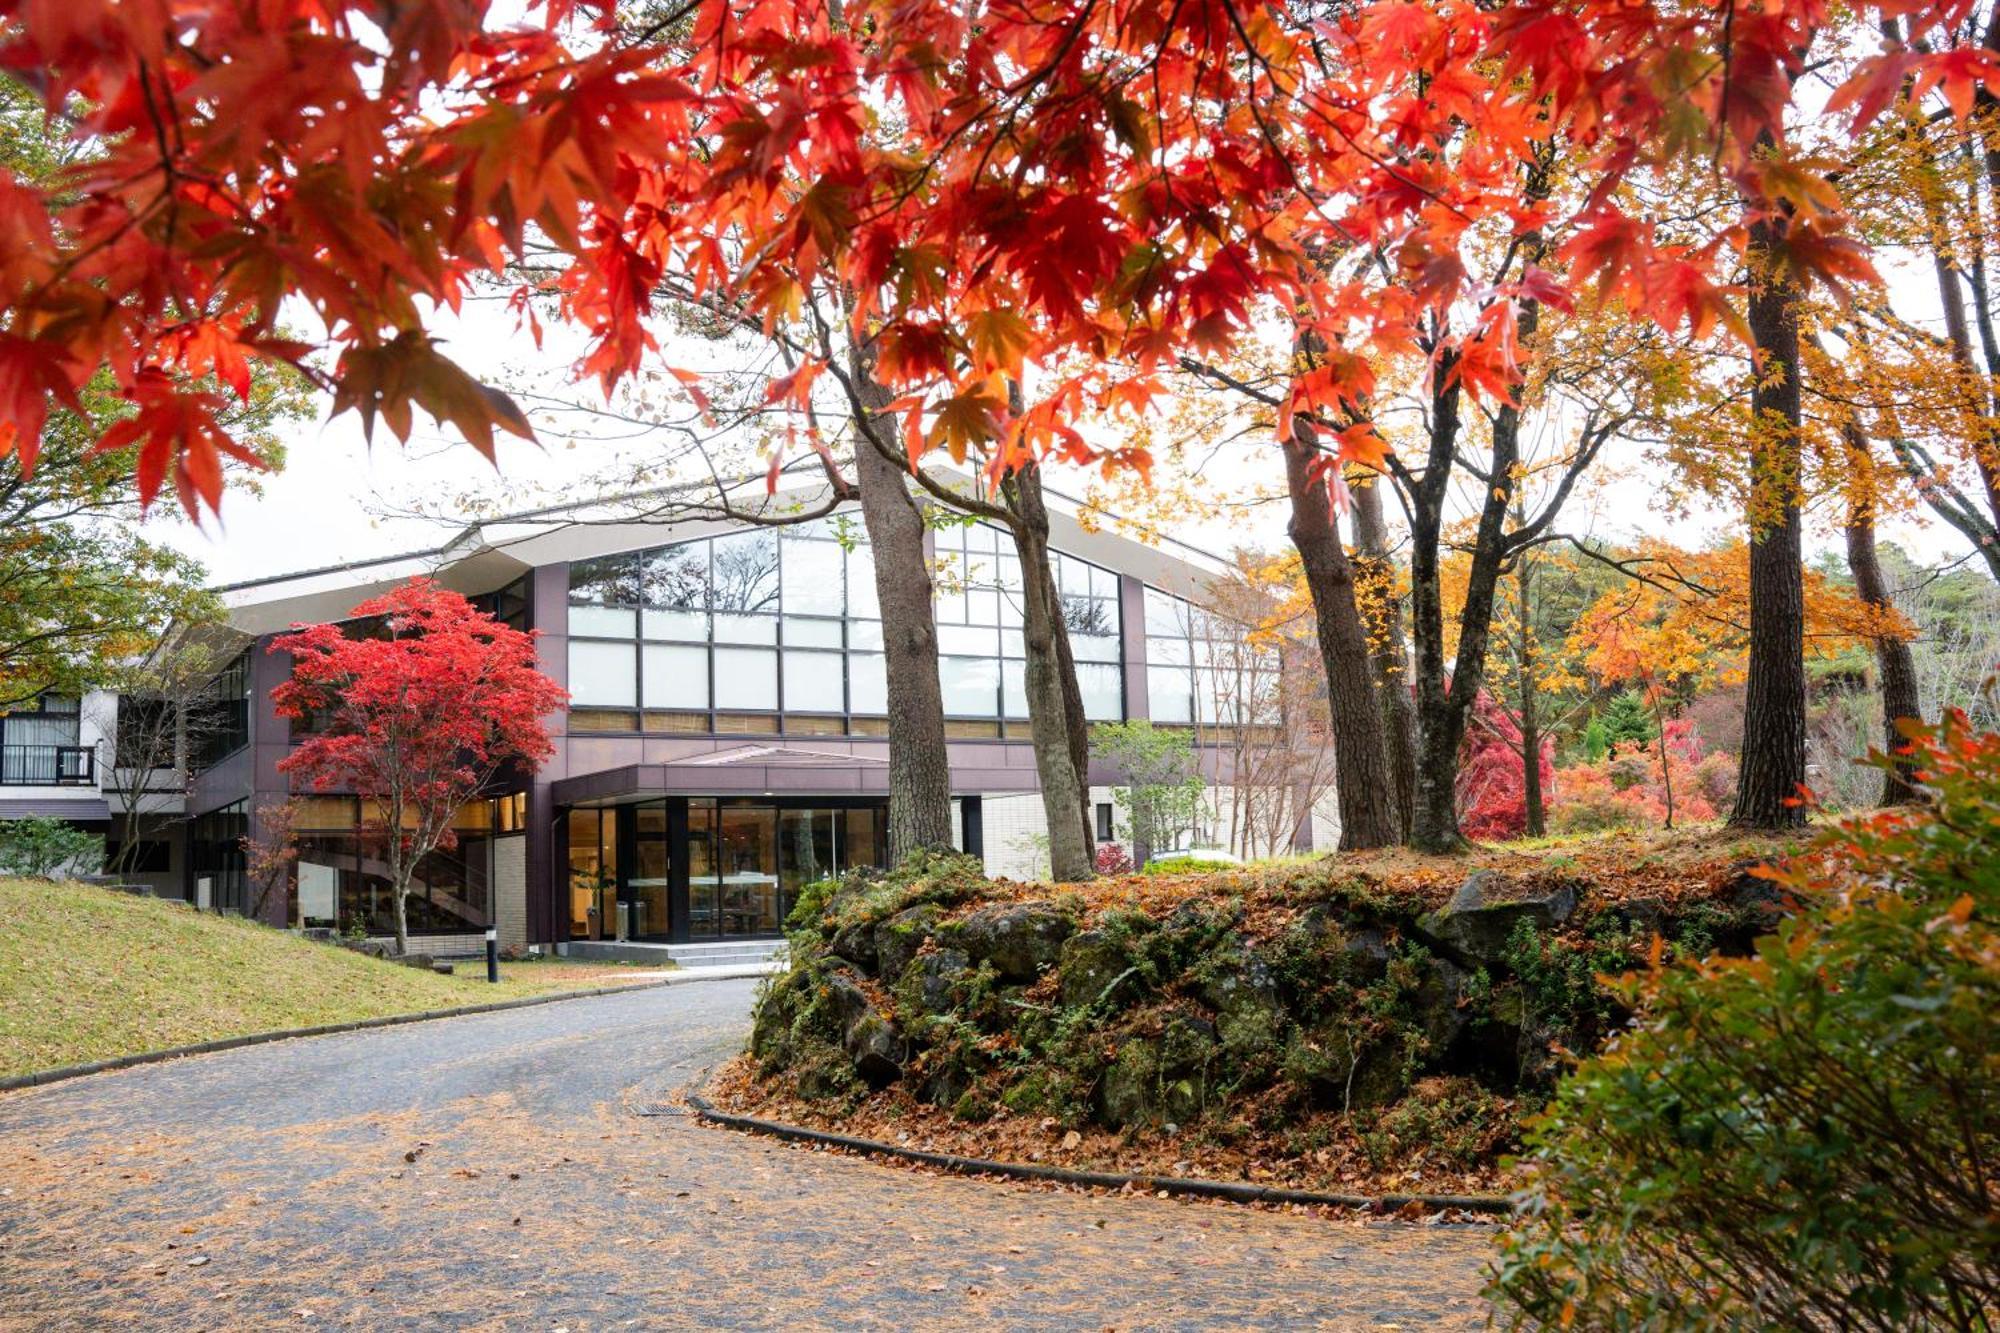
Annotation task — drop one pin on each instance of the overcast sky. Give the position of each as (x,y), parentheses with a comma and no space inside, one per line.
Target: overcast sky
(338,499)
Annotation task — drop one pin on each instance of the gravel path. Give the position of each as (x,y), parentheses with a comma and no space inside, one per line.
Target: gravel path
(522,1170)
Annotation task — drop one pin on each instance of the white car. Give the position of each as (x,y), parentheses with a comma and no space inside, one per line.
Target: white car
(1196,854)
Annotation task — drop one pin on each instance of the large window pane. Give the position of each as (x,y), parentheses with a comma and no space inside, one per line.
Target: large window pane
(1089,615)
(1170,694)
(1168,652)
(803,633)
(675,676)
(1166,615)
(864,634)
(971,685)
(1094,647)
(747,845)
(1013,676)
(813,578)
(812,682)
(730,628)
(603,674)
(867,684)
(744,571)
(676,578)
(1072,576)
(746,678)
(967,641)
(861,599)
(604,596)
(1103,691)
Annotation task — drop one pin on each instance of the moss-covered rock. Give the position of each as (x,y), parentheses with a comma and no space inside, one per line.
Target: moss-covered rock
(1247,996)
(1019,939)
(897,939)
(1482,915)
(1097,968)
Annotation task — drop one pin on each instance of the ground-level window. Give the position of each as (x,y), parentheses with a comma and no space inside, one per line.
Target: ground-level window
(1104,829)
(146,856)
(215,859)
(743,861)
(343,879)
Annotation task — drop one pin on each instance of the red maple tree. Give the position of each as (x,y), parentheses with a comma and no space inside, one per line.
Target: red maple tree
(415,717)
(1492,779)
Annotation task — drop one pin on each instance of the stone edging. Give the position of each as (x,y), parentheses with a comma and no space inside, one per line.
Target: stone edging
(58,1075)
(1230,1190)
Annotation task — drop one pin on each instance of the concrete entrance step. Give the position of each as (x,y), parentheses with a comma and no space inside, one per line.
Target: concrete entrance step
(718,953)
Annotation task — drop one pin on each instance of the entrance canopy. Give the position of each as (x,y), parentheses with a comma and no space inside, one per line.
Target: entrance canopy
(755,769)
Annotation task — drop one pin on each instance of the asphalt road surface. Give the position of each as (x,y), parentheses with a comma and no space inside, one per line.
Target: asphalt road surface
(526,1170)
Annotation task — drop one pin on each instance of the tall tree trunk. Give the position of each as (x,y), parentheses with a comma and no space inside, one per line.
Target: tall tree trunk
(1444,701)
(1893,663)
(1774,717)
(1389,648)
(1361,776)
(1530,704)
(919,765)
(1054,710)
(1025,499)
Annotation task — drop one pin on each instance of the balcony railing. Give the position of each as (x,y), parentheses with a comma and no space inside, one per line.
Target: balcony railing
(47,766)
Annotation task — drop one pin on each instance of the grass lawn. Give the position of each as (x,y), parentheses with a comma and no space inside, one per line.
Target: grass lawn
(86,974)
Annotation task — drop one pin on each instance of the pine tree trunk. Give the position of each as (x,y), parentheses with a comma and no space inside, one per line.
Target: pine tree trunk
(1389,649)
(1893,662)
(1362,783)
(1774,718)
(1064,796)
(919,764)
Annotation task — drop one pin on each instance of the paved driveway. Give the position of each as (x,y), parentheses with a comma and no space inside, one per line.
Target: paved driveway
(511,1171)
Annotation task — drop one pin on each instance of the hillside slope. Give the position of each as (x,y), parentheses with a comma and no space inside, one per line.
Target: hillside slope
(86,974)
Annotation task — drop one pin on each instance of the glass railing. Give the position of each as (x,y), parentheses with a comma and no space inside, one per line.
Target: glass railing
(47,766)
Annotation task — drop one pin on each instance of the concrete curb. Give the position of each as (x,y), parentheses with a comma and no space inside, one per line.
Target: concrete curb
(66,1072)
(1229,1190)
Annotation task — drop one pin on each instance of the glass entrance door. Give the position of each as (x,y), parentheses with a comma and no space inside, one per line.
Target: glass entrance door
(746,841)
(747,860)
(647,915)
(593,875)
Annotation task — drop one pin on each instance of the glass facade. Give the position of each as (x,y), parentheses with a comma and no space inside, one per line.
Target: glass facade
(224,727)
(343,881)
(981,658)
(761,621)
(744,863)
(709,633)
(215,856)
(1201,667)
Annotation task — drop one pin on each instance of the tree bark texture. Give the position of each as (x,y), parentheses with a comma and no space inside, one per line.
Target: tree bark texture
(1361,777)
(1530,705)
(1055,707)
(1773,771)
(1444,700)
(1389,649)
(1896,669)
(919,764)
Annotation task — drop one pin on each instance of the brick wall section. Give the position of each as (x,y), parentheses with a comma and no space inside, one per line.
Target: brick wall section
(510,891)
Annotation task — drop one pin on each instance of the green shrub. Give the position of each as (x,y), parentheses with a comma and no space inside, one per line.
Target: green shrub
(41,847)
(1806,1138)
(1187,865)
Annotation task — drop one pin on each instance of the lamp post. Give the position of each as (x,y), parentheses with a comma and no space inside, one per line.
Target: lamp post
(493,954)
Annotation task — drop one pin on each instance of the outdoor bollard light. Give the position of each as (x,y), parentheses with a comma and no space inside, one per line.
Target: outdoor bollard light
(493,953)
